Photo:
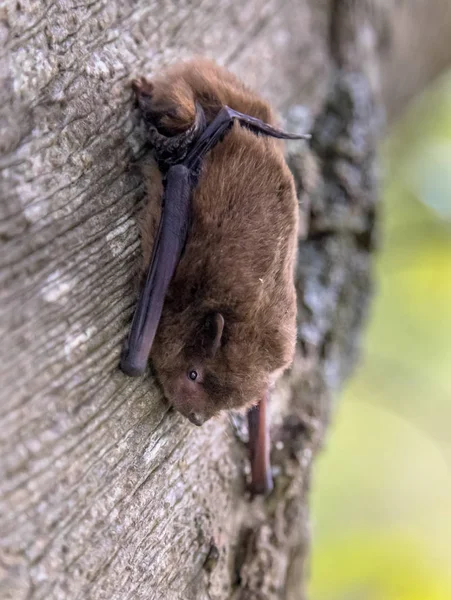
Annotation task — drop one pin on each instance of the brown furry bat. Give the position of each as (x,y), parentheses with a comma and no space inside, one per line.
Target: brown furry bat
(227,328)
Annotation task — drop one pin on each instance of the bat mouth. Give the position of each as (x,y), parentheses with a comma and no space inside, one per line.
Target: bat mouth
(188,407)
(197,418)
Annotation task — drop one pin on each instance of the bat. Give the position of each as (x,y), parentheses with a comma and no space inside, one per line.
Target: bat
(216,313)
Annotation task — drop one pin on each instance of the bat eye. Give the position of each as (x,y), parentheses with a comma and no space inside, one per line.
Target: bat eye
(192,375)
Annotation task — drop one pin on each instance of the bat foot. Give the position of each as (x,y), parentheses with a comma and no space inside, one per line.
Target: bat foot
(173,119)
(171,150)
(142,87)
(169,108)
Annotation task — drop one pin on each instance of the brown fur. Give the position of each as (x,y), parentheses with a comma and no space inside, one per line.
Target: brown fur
(239,256)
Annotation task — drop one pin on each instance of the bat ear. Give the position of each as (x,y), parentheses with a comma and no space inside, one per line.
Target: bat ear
(214,331)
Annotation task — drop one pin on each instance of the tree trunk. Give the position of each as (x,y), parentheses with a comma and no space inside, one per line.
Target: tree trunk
(105,492)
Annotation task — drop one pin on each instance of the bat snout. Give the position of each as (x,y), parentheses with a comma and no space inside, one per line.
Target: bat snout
(194,415)
(188,399)
(197,418)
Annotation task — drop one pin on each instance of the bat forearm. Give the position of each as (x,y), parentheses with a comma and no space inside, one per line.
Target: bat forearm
(168,246)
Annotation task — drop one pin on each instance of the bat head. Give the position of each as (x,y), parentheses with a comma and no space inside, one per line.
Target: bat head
(210,362)
(186,377)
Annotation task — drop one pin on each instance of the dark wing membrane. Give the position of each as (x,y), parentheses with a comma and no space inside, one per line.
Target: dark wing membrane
(222,122)
(171,238)
(259,126)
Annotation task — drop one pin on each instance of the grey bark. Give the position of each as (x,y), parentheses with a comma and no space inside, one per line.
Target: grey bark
(105,492)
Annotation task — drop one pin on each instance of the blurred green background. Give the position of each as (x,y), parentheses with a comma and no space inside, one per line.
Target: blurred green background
(382,487)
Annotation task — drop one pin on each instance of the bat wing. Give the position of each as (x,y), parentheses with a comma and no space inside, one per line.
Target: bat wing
(222,122)
(169,243)
(259,126)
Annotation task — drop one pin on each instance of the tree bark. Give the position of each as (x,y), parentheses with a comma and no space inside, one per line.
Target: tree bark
(105,492)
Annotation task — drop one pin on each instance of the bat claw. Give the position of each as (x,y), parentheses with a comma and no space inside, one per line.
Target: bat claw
(141,86)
